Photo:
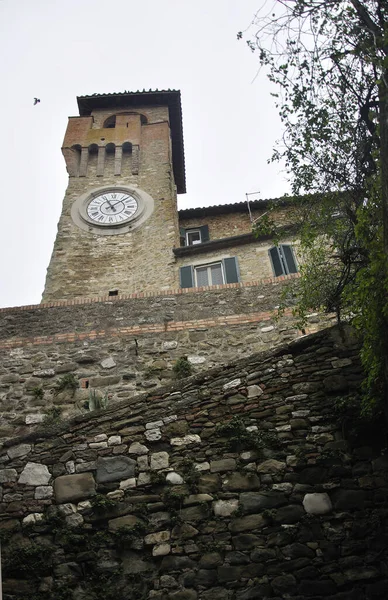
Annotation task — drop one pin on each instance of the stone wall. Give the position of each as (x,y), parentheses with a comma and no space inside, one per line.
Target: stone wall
(234,223)
(120,348)
(238,484)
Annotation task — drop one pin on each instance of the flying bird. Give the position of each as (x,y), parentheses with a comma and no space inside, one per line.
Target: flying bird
(36,100)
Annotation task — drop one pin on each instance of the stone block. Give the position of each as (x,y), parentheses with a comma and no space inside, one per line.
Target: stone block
(8,475)
(248,523)
(114,468)
(174,478)
(42,492)
(186,440)
(159,460)
(138,449)
(157,538)
(20,450)
(317,504)
(108,363)
(126,521)
(254,391)
(223,465)
(153,435)
(74,487)
(238,481)
(225,508)
(35,474)
(254,502)
(271,466)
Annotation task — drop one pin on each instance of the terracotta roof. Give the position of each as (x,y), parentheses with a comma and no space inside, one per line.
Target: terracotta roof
(170,98)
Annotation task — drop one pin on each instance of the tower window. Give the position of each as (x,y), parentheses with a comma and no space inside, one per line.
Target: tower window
(283,260)
(193,236)
(113,293)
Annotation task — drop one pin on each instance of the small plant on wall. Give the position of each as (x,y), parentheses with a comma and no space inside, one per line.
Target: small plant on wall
(238,438)
(67,382)
(182,368)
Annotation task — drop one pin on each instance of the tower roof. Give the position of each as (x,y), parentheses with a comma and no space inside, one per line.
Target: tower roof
(170,98)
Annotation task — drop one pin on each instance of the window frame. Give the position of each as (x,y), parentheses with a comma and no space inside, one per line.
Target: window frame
(187,234)
(208,267)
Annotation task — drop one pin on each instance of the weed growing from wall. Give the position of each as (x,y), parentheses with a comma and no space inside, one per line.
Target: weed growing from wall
(182,368)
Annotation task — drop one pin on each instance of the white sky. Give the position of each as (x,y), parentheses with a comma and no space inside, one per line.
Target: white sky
(59,49)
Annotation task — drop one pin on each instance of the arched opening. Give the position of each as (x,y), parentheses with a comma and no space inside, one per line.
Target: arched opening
(110,151)
(92,161)
(126,164)
(110,122)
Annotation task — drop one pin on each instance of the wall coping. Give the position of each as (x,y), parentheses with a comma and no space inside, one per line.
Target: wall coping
(169,292)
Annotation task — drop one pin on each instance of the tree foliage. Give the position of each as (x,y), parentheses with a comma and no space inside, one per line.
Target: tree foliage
(329,62)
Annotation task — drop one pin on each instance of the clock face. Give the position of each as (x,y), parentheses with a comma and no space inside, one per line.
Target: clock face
(112,208)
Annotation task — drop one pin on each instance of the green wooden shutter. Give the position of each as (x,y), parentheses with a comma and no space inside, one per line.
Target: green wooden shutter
(182,236)
(289,258)
(186,277)
(204,233)
(276,262)
(231,270)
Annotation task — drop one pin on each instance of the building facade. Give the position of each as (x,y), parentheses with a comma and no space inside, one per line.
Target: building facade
(120,231)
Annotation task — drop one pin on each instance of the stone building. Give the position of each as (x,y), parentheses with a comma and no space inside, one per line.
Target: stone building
(120,231)
(134,284)
(236,483)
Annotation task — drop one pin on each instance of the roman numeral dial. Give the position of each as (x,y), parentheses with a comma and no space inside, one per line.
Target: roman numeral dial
(112,208)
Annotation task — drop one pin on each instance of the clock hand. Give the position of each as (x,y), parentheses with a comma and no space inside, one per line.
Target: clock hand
(112,207)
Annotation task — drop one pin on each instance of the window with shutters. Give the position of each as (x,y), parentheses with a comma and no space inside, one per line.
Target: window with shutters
(216,273)
(283,260)
(194,235)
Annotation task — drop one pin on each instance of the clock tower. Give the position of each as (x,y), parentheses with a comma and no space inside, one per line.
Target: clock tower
(119,224)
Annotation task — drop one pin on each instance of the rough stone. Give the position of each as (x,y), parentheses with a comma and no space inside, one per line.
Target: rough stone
(126,521)
(174,478)
(225,508)
(232,384)
(159,460)
(137,448)
(254,391)
(271,466)
(157,538)
(68,488)
(114,440)
(108,363)
(128,483)
(248,523)
(114,468)
(43,491)
(18,451)
(317,504)
(237,481)
(35,474)
(161,550)
(153,435)
(186,440)
(8,475)
(252,502)
(223,465)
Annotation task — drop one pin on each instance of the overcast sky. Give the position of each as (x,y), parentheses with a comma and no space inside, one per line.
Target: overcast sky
(59,49)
